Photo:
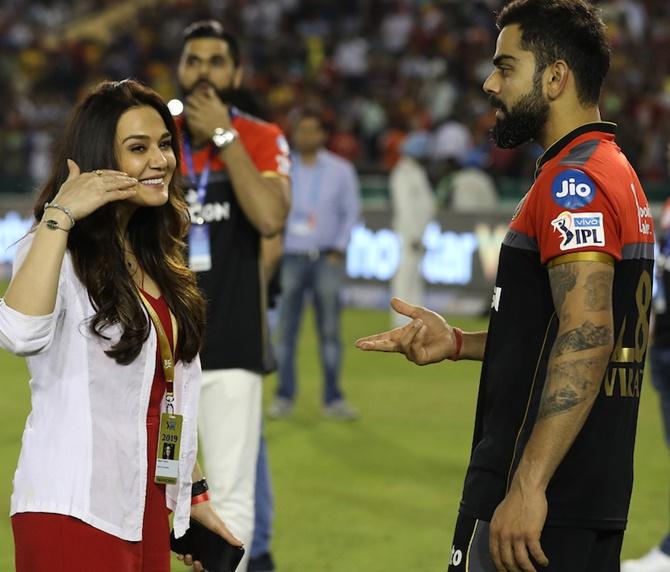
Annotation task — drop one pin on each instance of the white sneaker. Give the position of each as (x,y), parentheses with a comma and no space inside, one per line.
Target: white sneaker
(340,410)
(280,408)
(653,561)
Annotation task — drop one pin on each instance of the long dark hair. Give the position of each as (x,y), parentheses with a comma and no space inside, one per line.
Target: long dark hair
(155,234)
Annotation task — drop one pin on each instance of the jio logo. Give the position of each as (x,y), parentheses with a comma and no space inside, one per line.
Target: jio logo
(573,189)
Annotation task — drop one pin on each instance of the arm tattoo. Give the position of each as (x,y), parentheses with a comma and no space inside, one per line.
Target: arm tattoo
(563,280)
(568,384)
(584,337)
(558,401)
(598,296)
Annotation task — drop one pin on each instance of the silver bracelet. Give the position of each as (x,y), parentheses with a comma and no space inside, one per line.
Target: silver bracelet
(51,224)
(65,210)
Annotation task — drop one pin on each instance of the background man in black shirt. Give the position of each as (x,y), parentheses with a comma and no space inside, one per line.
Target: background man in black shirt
(237,166)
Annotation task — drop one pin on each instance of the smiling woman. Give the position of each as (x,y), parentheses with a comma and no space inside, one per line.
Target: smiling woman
(144,151)
(125,130)
(98,297)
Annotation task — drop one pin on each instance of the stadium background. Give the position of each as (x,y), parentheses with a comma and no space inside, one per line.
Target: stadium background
(380,494)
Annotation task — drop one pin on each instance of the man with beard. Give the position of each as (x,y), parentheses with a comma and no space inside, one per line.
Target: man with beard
(237,169)
(550,473)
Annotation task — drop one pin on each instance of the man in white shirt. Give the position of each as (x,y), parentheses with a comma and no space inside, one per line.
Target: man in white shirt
(413,205)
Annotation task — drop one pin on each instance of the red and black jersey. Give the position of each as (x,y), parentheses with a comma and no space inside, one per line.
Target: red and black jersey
(586,203)
(236,335)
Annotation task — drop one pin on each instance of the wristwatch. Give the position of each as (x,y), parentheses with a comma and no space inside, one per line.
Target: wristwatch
(224,137)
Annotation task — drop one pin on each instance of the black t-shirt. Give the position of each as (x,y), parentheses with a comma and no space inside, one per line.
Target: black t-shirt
(236,334)
(592,485)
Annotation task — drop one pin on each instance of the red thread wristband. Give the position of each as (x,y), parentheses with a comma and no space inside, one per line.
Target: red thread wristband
(203,497)
(458,335)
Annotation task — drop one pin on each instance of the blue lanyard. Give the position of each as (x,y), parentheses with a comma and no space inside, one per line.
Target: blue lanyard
(311,194)
(201,183)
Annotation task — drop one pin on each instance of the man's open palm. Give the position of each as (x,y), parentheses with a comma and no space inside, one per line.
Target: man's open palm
(428,338)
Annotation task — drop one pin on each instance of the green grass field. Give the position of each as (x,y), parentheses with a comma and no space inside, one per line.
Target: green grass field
(380,494)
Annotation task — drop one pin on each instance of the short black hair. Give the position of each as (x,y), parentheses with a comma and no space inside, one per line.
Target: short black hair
(315,113)
(570,30)
(310,113)
(213,29)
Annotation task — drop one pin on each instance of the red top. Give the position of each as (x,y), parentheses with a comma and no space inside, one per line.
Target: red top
(46,541)
(158,388)
(586,198)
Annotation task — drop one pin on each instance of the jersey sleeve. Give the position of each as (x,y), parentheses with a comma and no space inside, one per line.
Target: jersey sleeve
(270,151)
(573,213)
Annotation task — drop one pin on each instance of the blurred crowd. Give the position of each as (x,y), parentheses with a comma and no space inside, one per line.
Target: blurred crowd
(379,69)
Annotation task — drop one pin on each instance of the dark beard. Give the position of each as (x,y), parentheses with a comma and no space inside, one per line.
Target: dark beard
(523,123)
(241,98)
(227,95)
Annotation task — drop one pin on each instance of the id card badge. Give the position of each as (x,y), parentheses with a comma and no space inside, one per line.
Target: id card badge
(169,443)
(302,225)
(199,255)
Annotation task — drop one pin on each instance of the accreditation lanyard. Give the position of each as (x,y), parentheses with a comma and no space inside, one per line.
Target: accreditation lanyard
(169,434)
(303,220)
(200,183)
(307,197)
(199,248)
(167,359)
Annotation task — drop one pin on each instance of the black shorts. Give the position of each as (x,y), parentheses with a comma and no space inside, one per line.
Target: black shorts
(568,549)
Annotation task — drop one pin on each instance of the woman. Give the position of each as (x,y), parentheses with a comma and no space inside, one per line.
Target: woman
(106,251)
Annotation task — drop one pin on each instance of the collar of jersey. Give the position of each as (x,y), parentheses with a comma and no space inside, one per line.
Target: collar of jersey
(563,142)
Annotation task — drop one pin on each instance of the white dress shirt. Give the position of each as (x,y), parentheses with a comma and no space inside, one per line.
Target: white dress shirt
(84,446)
(412,199)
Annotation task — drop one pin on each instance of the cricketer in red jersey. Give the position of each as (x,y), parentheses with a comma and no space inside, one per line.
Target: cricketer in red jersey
(550,475)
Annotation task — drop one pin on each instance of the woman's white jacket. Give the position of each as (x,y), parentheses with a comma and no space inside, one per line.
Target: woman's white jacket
(84,447)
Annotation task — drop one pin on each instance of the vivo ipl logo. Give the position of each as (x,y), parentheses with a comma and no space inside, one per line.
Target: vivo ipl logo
(580,229)
(573,189)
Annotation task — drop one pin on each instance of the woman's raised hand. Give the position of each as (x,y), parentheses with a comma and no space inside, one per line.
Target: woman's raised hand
(84,193)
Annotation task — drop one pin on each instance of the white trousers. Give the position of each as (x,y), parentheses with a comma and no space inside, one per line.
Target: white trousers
(229,426)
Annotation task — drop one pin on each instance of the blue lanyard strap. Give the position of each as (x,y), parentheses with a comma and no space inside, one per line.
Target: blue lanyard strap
(309,197)
(201,182)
